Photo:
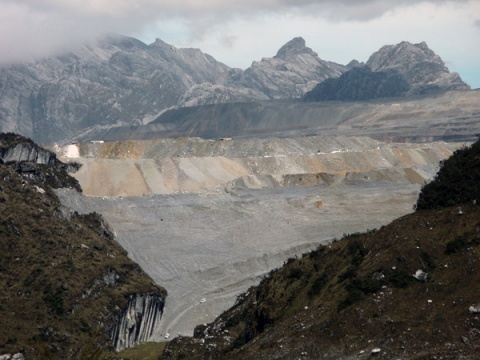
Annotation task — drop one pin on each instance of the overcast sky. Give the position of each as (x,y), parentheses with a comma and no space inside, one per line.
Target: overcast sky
(238,32)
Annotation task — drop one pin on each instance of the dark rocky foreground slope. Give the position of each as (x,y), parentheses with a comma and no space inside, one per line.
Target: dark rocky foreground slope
(406,290)
(67,288)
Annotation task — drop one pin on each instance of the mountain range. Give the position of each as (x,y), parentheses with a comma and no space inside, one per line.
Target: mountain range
(266,198)
(120,81)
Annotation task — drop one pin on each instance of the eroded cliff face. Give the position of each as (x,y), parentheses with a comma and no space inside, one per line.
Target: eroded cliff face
(16,148)
(139,321)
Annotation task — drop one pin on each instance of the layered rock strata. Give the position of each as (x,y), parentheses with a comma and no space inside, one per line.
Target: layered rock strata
(138,322)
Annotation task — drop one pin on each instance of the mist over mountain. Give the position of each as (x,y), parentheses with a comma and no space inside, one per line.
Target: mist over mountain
(121,81)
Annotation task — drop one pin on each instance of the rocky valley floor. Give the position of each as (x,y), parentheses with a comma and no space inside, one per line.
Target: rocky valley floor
(225,213)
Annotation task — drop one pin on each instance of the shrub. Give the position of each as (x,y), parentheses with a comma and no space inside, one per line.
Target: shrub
(295,273)
(457,182)
(400,279)
(455,246)
(317,285)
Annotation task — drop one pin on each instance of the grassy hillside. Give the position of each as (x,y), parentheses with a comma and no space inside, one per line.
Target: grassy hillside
(63,278)
(365,293)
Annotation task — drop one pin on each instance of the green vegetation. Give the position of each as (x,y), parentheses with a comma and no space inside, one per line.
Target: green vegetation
(456,183)
(146,351)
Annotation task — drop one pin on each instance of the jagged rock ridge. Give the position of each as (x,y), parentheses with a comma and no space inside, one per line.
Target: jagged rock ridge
(121,80)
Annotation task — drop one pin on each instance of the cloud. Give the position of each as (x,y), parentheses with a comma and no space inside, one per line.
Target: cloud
(477,22)
(34,28)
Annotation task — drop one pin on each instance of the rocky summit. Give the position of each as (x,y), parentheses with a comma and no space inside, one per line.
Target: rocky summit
(393,71)
(424,70)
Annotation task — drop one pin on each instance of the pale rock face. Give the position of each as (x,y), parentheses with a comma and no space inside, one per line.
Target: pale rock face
(33,153)
(421,67)
(121,80)
(70,151)
(138,322)
(118,80)
(208,93)
(295,70)
(17,356)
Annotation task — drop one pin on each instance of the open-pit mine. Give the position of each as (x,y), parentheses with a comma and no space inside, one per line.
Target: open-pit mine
(208,218)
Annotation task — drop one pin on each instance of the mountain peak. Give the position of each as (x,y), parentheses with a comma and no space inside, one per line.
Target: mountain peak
(294,47)
(399,53)
(420,66)
(160,43)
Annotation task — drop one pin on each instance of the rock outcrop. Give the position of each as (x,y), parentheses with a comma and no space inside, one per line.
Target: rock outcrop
(27,158)
(16,149)
(138,321)
(17,356)
(393,71)
(294,70)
